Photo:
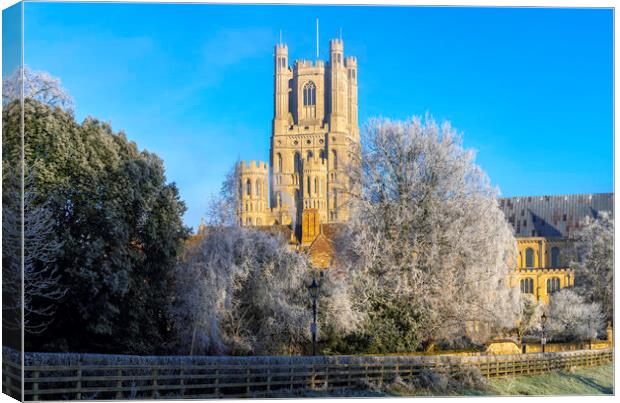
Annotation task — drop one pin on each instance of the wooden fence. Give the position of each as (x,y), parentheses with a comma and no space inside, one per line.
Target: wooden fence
(216,377)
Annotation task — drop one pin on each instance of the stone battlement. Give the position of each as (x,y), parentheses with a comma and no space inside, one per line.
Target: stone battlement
(309,64)
(253,166)
(350,61)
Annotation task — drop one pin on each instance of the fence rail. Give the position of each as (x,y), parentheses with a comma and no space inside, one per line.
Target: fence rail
(244,377)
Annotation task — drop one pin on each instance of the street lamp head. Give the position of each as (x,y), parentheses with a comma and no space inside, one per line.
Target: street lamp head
(543,318)
(314,289)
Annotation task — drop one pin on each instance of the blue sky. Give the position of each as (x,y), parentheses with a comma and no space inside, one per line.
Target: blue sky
(530,89)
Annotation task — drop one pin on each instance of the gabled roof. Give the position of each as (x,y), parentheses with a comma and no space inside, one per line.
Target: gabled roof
(553,216)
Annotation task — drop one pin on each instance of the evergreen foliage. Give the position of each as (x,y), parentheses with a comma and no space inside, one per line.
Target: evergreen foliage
(119,224)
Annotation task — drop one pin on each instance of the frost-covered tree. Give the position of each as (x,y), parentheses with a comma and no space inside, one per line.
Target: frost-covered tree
(243,291)
(571,318)
(592,258)
(222,208)
(530,313)
(427,248)
(37,85)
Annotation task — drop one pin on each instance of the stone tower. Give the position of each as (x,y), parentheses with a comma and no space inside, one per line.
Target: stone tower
(253,208)
(314,135)
(315,129)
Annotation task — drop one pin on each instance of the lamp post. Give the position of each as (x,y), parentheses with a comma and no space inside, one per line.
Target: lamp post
(543,341)
(314,294)
(590,334)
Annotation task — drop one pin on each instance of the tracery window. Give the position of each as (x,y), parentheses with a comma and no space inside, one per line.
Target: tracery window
(309,101)
(553,285)
(248,188)
(335,158)
(309,94)
(527,286)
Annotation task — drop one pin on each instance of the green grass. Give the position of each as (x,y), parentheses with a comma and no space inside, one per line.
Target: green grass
(588,381)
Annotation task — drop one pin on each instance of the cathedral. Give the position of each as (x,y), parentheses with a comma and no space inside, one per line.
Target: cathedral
(314,135)
(301,193)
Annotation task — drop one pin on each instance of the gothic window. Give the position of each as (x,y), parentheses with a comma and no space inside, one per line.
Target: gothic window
(309,156)
(297,163)
(309,94)
(555,257)
(529,257)
(553,285)
(308,186)
(279,162)
(316,185)
(335,198)
(339,58)
(257,190)
(248,188)
(335,158)
(527,286)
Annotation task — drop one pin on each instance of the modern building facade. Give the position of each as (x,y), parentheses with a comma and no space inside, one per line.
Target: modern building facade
(542,226)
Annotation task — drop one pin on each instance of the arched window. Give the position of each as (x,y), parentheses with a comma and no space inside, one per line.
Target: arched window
(335,158)
(248,188)
(553,285)
(308,186)
(527,286)
(309,156)
(529,257)
(257,190)
(555,257)
(309,94)
(297,163)
(279,162)
(316,186)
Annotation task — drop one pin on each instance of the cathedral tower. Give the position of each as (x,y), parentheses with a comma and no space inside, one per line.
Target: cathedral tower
(314,130)
(314,134)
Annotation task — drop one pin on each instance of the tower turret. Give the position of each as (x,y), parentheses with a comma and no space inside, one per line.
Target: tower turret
(339,87)
(253,208)
(281,91)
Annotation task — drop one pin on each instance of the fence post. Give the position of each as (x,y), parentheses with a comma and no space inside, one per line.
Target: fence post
(155,383)
(78,385)
(119,383)
(326,376)
(7,379)
(35,386)
(290,375)
(182,381)
(217,382)
(247,379)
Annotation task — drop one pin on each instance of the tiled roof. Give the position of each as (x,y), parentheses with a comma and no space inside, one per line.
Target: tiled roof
(553,216)
(282,230)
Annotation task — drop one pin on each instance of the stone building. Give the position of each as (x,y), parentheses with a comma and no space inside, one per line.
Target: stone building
(542,226)
(301,193)
(314,135)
